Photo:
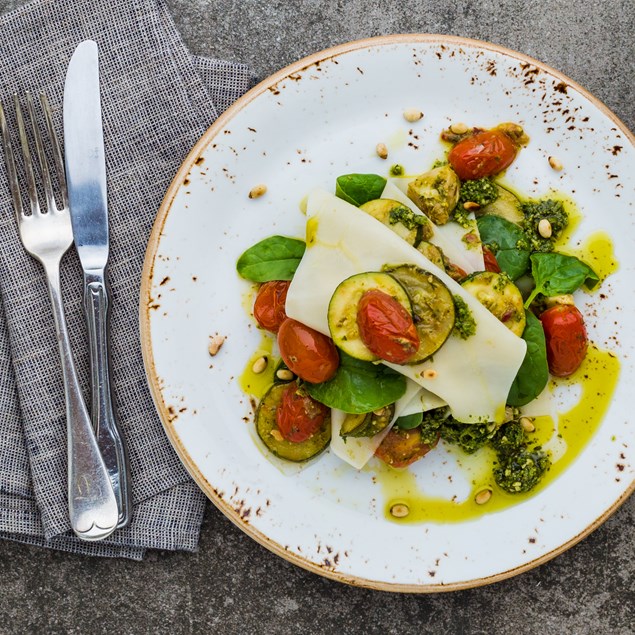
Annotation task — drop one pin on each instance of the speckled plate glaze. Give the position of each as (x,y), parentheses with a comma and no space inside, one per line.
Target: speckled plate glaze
(299,129)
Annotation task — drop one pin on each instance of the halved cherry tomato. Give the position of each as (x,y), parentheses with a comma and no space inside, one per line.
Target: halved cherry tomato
(309,354)
(455,272)
(386,327)
(403,447)
(299,416)
(566,338)
(484,154)
(491,264)
(269,305)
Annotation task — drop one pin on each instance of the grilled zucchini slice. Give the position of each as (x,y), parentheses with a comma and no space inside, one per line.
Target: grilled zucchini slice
(432,308)
(432,253)
(342,311)
(500,296)
(400,218)
(368,424)
(267,429)
(506,206)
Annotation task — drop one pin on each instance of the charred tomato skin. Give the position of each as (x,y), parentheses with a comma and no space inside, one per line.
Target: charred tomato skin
(269,306)
(566,338)
(386,327)
(309,354)
(401,448)
(485,153)
(491,264)
(299,416)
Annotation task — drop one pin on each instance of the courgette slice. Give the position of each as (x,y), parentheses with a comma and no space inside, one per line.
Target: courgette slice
(432,253)
(269,433)
(342,311)
(432,308)
(500,296)
(369,424)
(401,219)
(506,206)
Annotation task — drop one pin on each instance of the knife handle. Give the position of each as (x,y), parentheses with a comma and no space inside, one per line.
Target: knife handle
(107,430)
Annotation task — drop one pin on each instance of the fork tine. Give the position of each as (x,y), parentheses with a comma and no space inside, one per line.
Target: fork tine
(26,154)
(39,147)
(10,163)
(57,153)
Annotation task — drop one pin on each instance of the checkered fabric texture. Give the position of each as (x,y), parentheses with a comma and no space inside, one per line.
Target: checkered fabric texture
(157,101)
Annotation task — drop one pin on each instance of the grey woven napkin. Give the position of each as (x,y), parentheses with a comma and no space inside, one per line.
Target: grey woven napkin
(157,100)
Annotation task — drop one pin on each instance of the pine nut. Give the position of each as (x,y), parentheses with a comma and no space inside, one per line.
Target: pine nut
(527,424)
(276,434)
(471,206)
(483,496)
(382,150)
(412,114)
(459,128)
(215,343)
(259,365)
(399,510)
(429,373)
(284,374)
(257,191)
(544,228)
(555,164)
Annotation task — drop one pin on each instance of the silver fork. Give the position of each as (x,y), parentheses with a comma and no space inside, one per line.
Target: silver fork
(47,234)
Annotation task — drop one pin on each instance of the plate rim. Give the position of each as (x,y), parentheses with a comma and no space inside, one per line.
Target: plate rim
(145,301)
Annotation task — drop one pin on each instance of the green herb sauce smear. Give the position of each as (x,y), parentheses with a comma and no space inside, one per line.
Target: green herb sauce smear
(596,379)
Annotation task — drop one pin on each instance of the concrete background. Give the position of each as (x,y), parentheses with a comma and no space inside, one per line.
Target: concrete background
(232,585)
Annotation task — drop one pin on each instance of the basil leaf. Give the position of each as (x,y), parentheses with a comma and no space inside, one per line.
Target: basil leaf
(359,387)
(558,274)
(274,258)
(358,189)
(509,243)
(533,373)
(408,422)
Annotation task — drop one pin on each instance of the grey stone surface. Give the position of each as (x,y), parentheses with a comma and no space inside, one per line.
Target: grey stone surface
(233,585)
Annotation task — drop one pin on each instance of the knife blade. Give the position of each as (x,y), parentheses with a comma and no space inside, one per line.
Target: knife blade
(87,194)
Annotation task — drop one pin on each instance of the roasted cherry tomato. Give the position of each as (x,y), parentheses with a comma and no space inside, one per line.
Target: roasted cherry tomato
(491,264)
(299,416)
(484,154)
(309,354)
(455,272)
(386,327)
(403,447)
(269,304)
(566,338)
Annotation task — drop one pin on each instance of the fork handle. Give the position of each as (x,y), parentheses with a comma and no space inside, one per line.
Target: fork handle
(105,424)
(92,503)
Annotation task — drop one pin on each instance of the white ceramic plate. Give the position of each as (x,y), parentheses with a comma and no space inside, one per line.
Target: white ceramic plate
(301,128)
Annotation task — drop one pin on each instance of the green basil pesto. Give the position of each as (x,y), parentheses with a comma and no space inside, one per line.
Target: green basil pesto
(465,324)
(461,216)
(536,211)
(481,191)
(407,218)
(397,170)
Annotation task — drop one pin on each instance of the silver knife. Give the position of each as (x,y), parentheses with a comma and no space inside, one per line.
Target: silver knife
(86,177)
